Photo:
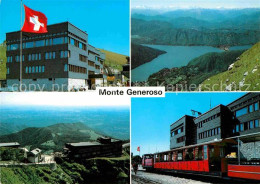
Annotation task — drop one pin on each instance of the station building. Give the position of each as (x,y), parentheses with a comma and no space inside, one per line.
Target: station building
(183,132)
(240,117)
(246,114)
(214,124)
(103,147)
(57,60)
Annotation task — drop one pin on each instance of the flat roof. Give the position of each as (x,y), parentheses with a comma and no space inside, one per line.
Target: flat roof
(209,110)
(183,117)
(57,24)
(78,144)
(239,98)
(9,144)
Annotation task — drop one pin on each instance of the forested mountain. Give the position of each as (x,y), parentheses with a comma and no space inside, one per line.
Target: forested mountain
(197,27)
(52,137)
(142,54)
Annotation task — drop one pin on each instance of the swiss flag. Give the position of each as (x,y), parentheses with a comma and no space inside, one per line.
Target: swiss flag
(138,148)
(34,22)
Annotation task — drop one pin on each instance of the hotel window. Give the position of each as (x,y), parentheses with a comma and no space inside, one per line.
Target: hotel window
(33,58)
(237,128)
(26,69)
(14,47)
(256,123)
(36,56)
(251,124)
(241,112)
(40,69)
(39,43)
(7,70)
(72,41)
(219,130)
(43,68)
(256,106)
(36,69)
(30,57)
(29,44)
(33,69)
(46,55)
(30,69)
(57,41)
(40,56)
(80,45)
(65,68)
(250,108)
(53,55)
(23,57)
(66,39)
(241,127)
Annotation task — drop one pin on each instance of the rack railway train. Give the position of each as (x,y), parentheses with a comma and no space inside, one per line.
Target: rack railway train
(218,158)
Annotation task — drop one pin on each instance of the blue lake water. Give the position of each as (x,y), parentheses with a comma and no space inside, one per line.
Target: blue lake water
(176,56)
(113,121)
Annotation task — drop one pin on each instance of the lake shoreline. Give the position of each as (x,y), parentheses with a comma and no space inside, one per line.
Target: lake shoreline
(175,56)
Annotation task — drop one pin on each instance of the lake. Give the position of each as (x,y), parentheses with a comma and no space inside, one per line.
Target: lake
(176,56)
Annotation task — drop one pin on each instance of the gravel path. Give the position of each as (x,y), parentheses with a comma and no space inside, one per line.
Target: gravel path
(153,178)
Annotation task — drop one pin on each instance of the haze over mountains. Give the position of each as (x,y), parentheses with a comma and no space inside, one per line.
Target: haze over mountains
(212,27)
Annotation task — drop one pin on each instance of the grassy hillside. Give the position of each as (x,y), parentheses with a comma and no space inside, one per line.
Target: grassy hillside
(114,60)
(245,71)
(196,71)
(52,138)
(141,54)
(2,62)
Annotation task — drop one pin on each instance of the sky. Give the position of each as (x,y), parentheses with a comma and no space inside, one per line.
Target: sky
(106,21)
(90,98)
(176,4)
(151,117)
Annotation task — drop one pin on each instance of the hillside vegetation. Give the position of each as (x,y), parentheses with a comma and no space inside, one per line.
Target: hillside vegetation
(245,74)
(52,138)
(114,60)
(8,128)
(196,71)
(2,61)
(142,54)
(95,170)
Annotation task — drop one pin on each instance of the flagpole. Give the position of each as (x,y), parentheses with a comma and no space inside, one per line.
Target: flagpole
(21,47)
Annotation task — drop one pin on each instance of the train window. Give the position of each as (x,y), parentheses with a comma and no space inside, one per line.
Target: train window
(205,152)
(189,155)
(179,158)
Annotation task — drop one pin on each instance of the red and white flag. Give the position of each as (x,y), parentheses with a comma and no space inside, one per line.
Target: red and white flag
(34,22)
(138,148)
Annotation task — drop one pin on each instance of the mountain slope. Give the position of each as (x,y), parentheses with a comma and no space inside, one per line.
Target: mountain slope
(8,128)
(52,137)
(196,71)
(245,71)
(141,54)
(163,33)
(2,61)
(114,60)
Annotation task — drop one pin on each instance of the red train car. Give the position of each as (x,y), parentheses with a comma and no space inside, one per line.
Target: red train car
(211,158)
(147,161)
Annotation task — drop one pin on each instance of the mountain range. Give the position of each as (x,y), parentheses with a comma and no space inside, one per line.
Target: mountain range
(197,27)
(51,138)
